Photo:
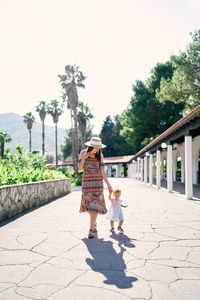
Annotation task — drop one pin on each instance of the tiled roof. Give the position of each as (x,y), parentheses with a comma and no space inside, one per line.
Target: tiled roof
(107,160)
(118,159)
(195,112)
(67,163)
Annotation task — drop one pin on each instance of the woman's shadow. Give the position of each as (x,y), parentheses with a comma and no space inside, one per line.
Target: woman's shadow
(108,262)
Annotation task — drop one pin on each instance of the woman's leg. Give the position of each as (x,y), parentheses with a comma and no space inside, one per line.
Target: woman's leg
(93,218)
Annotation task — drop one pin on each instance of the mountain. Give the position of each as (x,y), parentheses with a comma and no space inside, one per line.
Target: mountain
(15,126)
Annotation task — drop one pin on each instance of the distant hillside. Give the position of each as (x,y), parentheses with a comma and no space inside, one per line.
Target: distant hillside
(14,124)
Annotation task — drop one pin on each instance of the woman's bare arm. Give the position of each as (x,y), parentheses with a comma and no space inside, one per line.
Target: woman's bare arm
(104,174)
(83,155)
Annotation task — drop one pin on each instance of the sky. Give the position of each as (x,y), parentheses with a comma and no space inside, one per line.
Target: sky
(114,43)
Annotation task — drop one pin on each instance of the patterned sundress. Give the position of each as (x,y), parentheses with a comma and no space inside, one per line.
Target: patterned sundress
(92,187)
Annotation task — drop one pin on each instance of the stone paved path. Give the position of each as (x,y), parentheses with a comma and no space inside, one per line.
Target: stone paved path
(45,254)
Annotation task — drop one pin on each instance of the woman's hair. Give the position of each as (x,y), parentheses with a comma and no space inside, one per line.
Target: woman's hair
(97,155)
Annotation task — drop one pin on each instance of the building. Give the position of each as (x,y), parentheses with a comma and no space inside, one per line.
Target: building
(172,156)
(117,162)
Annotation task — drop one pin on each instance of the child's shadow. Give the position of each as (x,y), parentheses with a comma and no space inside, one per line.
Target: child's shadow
(108,262)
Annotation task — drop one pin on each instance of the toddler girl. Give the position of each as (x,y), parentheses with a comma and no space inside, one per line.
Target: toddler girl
(115,213)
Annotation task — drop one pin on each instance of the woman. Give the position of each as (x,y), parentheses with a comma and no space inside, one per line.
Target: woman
(92,201)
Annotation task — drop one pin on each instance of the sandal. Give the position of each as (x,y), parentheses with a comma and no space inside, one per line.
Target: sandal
(91,234)
(95,228)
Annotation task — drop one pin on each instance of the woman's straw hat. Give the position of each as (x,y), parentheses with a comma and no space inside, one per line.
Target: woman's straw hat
(95,142)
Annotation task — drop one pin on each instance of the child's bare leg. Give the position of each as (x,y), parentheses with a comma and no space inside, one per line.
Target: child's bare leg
(120,223)
(112,224)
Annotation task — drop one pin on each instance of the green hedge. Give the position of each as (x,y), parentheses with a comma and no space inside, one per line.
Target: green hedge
(13,176)
(24,167)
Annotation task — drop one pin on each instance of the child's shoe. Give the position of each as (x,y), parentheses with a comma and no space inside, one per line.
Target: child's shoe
(120,230)
(112,230)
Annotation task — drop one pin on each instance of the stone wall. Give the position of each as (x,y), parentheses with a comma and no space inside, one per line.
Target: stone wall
(17,198)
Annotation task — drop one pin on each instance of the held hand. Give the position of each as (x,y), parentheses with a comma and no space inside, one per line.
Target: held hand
(110,188)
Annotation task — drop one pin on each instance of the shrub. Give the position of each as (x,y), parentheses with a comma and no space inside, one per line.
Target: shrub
(76,180)
(24,167)
(50,158)
(65,171)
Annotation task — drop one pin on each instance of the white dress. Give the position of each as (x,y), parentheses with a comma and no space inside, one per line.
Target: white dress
(115,212)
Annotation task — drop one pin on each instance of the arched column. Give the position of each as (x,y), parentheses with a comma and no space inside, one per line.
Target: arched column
(158,169)
(150,169)
(161,171)
(134,170)
(154,167)
(174,167)
(169,169)
(130,170)
(141,171)
(119,166)
(145,169)
(188,167)
(138,169)
(109,168)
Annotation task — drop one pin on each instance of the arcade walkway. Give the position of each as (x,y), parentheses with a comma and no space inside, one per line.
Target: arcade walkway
(179,187)
(45,253)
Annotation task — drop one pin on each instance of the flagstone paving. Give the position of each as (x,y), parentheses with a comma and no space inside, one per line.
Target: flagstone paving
(45,253)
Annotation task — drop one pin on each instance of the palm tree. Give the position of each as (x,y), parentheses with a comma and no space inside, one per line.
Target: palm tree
(70,82)
(84,115)
(29,119)
(72,128)
(4,138)
(41,108)
(55,110)
(64,96)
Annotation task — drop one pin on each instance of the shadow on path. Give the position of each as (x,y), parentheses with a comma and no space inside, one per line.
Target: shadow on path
(108,262)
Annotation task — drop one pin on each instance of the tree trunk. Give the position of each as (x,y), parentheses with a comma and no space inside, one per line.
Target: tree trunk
(72,127)
(43,137)
(56,139)
(76,140)
(82,139)
(73,145)
(2,150)
(29,140)
(83,134)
